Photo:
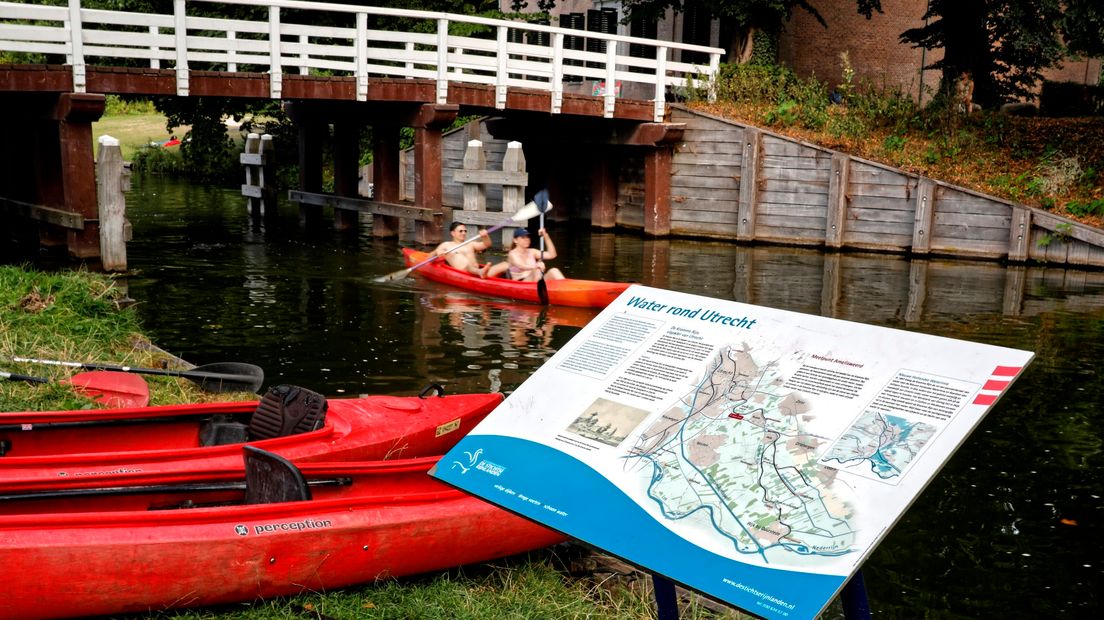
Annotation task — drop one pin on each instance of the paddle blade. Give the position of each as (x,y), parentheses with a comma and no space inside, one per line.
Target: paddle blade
(394,275)
(542,291)
(541,200)
(226,377)
(530,211)
(112,389)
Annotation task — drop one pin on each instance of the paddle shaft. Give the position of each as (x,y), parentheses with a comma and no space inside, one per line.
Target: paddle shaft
(429,260)
(30,426)
(11,376)
(185,487)
(209,380)
(542,286)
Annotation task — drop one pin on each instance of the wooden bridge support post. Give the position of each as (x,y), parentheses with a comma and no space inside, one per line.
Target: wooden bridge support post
(73,187)
(111,181)
(603,191)
(386,176)
(428,124)
(312,136)
(657,191)
(346,154)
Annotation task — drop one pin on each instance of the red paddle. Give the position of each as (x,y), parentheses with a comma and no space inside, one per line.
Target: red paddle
(113,389)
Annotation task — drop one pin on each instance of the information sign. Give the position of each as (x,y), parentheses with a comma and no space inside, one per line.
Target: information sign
(753,454)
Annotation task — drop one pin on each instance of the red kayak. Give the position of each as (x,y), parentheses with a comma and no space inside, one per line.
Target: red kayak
(44,446)
(568,292)
(212,536)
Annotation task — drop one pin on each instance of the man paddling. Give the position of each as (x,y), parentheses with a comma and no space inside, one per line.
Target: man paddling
(461,256)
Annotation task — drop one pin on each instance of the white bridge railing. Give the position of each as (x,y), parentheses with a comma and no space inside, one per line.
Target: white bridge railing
(282,35)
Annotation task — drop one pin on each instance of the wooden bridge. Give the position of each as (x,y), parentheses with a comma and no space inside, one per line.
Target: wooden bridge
(593,111)
(341,64)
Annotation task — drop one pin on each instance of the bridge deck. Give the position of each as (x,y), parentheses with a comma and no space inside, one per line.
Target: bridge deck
(473,98)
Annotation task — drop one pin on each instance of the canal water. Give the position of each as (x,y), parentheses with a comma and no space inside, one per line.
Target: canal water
(1010,528)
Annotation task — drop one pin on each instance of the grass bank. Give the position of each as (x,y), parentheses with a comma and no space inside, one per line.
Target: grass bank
(72,316)
(80,316)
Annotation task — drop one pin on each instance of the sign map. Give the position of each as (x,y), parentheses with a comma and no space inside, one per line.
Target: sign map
(753,454)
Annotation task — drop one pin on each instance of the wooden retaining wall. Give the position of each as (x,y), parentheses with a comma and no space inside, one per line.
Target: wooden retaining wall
(732,181)
(736,182)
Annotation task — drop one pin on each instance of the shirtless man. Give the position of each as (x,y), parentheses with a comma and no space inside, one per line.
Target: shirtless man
(464,258)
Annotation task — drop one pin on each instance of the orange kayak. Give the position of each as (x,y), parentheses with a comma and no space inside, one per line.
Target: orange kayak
(568,292)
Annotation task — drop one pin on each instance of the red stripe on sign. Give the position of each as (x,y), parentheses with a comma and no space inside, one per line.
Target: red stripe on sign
(995,386)
(1007,371)
(985,399)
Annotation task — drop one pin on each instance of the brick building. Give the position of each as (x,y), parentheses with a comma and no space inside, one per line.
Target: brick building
(873,45)
(875,50)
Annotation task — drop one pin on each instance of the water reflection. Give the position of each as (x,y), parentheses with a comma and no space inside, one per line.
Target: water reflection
(1011,526)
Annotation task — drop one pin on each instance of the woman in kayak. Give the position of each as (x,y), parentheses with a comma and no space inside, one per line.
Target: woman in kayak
(524,263)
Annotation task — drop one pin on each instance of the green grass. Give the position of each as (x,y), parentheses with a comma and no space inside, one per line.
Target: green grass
(134,131)
(72,316)
(525,587)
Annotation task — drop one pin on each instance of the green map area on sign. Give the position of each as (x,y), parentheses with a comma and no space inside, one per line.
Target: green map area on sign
(881,444)
(734,451)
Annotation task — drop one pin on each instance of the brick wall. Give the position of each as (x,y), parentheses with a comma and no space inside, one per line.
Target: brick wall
(872,45)
(1082,71)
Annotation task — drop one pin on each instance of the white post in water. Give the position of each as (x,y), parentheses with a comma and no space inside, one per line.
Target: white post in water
(260,175)
(111,181)
(475,194)
(513,194)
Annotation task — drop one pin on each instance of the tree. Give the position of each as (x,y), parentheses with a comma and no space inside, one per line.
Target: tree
(1002,46)
(1083,27)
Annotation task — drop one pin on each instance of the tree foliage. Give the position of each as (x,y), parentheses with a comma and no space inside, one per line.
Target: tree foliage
(1004,45)
(1083,27)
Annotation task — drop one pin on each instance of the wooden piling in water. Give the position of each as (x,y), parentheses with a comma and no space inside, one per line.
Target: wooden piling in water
(259,162)
(112,180)
(475,177)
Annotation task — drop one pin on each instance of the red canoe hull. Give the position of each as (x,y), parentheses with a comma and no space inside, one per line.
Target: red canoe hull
(568,292)
(370,428)
(63,558)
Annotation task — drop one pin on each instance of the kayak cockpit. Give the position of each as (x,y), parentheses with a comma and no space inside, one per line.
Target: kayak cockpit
(284,411)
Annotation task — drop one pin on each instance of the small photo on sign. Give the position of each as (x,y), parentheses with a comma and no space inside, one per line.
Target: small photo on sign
(607,422)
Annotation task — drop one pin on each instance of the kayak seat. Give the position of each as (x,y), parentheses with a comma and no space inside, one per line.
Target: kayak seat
(221,430)
(271,478)
(287,410)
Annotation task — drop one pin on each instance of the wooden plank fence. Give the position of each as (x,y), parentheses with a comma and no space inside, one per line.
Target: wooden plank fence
(474,178)
(732,181)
